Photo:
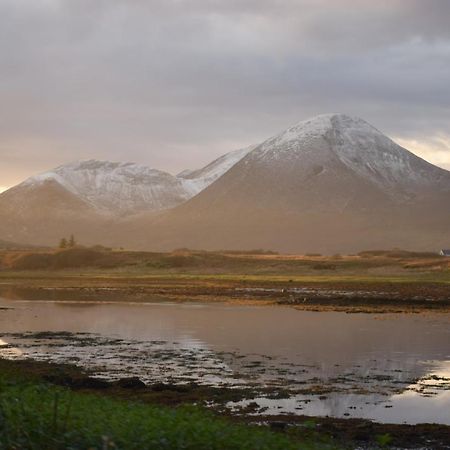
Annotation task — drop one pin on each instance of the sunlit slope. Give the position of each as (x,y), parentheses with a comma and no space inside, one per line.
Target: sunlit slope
(330,184)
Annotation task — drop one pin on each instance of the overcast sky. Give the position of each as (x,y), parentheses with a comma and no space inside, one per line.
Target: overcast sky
(175,83)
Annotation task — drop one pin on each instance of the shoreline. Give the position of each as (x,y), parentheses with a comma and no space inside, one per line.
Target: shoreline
(378,296)
(354,432)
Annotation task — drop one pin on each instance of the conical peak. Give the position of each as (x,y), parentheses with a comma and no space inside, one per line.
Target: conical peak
(325,123)
(324,126)
(341,143)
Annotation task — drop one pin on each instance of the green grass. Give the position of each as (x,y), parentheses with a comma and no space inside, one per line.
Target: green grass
(34,415)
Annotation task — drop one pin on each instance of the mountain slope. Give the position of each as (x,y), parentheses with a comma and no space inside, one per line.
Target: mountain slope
(330,184)
(87,196)
(44,213)
(7,245)
(202,178)
(117,188)
(129,188)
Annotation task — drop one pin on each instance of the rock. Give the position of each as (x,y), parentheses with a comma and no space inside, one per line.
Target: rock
(90,383)
(130,383)
(279,426)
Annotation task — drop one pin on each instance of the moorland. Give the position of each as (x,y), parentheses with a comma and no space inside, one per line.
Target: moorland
(377,281)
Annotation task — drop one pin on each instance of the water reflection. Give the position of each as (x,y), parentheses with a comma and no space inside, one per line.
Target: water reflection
(8,351)
(393,368)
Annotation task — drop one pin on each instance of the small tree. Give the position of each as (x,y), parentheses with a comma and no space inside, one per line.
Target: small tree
(63,243)
(72,241)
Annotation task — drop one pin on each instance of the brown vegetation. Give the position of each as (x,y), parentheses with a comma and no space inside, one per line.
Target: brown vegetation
(254,261)
(385,281)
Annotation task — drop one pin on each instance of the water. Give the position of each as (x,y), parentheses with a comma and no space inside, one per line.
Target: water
(389,368)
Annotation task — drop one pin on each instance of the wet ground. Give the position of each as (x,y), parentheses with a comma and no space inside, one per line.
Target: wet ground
(390,368)
(376,296)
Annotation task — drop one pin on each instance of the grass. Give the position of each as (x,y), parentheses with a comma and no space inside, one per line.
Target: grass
(36,415)
(394,266)
(413,277)
(403,280)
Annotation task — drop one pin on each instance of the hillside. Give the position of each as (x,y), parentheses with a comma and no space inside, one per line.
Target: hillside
(330,184)
(87,198)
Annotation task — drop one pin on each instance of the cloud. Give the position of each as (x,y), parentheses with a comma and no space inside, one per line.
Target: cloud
(175,83)
(435,149)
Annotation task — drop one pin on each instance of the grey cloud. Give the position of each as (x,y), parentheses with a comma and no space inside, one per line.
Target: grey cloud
(174,83)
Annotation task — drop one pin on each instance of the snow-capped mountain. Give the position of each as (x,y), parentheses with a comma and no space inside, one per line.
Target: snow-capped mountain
(331,184)
(202,178)
(116,188)
(87,197)
(333,139)
(129,188)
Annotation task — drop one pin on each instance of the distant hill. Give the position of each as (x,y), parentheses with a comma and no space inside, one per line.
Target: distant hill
(129,188)
(329,184)
(6,245)
(87,198)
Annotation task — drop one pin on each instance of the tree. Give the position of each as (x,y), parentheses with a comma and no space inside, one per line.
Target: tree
(63,243)
(72,241)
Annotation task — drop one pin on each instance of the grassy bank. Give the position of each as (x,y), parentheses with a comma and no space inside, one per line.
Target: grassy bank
(184,265)
(75,411)
(38,415)
(382,264)
(392,281)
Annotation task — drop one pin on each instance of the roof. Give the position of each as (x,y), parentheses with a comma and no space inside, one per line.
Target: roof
(445,252)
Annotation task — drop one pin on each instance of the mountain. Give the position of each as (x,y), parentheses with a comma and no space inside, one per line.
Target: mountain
(332,184)
(202,178)
(88,197)
(7,245)
(129,188)
(116,188)
(329,184)
(42,213)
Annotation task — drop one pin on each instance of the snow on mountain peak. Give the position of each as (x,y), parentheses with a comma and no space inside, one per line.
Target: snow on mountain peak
(320,145)
(320,126)
(331,139)
(128,188)
(202,178)
(116,187)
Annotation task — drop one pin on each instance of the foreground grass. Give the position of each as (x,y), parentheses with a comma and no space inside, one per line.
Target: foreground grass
(35,415)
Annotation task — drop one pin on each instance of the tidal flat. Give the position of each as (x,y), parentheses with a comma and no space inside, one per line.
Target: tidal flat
(388,368)
(361,349)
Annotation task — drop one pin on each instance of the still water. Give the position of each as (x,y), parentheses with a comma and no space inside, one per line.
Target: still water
(388,368)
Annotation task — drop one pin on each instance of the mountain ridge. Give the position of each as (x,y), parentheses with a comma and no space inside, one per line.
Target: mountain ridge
(121,188)
(332,183)
(326,184)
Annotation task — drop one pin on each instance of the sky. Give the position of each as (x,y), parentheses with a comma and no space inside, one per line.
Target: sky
(175,83)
